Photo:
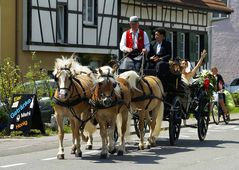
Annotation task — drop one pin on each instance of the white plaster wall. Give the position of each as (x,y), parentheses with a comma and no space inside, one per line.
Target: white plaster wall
(225,44)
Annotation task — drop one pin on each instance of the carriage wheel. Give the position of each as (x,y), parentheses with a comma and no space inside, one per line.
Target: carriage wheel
(174,121)
(215,113)
(136,125)
(203,121)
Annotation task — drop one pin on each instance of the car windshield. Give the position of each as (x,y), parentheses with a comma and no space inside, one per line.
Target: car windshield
(235,82)
(43,88)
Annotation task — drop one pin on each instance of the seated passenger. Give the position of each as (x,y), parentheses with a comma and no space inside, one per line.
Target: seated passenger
(187,76)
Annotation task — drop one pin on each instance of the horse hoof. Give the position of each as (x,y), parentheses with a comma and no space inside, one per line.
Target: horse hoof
(89,147)
(148,146)
(60,156)
(112,151)
(78,154)
(73,151)
(140,147)
(103,156)
(120,153)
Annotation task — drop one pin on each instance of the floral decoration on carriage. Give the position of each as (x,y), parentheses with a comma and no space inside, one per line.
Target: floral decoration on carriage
(208,81)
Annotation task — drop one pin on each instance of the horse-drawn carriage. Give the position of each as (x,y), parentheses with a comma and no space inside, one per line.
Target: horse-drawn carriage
(182,100)
(107,97)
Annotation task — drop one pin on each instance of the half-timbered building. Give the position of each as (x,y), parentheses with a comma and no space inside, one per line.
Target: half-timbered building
(93,28)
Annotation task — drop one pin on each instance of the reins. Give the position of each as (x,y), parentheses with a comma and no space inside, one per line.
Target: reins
(71,103)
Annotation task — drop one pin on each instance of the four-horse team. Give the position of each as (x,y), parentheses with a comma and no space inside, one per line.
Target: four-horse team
(107,96)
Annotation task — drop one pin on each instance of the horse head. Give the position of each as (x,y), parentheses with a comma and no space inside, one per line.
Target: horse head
(63,76)
(107,88)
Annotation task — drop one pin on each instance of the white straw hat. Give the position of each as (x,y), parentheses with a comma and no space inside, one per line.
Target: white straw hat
(133,19)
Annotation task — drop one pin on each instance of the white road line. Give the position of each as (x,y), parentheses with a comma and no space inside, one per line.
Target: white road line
(86,153)
(48,159)
(91,152)
(23,146)
(12,165)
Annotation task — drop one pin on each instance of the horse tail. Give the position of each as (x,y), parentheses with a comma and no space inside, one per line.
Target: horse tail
(90,128)
(159,110)
(120,120)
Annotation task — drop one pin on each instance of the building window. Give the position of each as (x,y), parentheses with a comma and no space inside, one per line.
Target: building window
(169,37)
(62,23)
(182,45)
(197,46)
(89,12)
(217,15)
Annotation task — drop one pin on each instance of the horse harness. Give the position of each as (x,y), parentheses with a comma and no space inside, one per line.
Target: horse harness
(71,103)
(98,104)
(151,96)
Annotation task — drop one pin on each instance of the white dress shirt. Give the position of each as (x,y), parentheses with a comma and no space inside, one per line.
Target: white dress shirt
(123,47)
(158,48)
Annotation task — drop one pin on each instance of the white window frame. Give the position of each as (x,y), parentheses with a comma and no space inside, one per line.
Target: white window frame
(86,12)
(61,23)
(220,15)
(171,34)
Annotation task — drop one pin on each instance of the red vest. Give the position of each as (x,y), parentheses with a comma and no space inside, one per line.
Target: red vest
(140,42)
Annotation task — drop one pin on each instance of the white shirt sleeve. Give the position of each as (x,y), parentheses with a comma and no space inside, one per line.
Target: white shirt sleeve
(146,42)
(123,47)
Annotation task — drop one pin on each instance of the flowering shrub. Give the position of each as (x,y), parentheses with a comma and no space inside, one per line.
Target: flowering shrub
(208,81)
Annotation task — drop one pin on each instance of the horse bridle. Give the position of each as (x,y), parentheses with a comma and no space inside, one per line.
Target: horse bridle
(56,79)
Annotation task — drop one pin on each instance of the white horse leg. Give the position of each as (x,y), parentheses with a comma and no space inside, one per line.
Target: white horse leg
(77,137)
(103,134)
(123,118)
(73,148)
(141,129)
(59,120)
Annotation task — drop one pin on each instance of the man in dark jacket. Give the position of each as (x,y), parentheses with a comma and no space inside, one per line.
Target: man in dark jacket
(160,54)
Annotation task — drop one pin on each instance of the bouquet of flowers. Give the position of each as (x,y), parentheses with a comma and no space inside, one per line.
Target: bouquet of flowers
(208,81)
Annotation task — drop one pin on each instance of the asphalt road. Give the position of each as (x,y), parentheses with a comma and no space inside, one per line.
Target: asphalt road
(219,151)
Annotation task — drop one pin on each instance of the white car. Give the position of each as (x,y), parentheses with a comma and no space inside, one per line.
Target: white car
(234,86)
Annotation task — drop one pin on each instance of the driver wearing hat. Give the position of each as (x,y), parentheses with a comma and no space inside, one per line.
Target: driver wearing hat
(134,39)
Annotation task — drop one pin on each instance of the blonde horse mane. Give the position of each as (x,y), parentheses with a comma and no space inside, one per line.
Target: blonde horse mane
(107,70)
(132,77)
(60,63)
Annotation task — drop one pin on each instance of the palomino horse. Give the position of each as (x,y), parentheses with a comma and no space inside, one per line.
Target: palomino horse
(111,100)
(146,96)
(71,100)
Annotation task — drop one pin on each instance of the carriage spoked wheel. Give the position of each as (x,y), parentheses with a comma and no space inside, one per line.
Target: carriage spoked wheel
(174,121)
(215,113)
(136,125)
(203,120)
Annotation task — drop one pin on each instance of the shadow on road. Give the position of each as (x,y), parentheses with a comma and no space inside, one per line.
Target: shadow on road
(155,154)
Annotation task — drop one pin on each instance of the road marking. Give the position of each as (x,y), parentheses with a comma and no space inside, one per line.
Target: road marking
(12,165)
(48,159)
(91,152)
(86,153)
(23,146)
(218,158)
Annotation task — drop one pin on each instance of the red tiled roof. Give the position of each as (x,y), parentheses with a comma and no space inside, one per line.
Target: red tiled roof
(207,5)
